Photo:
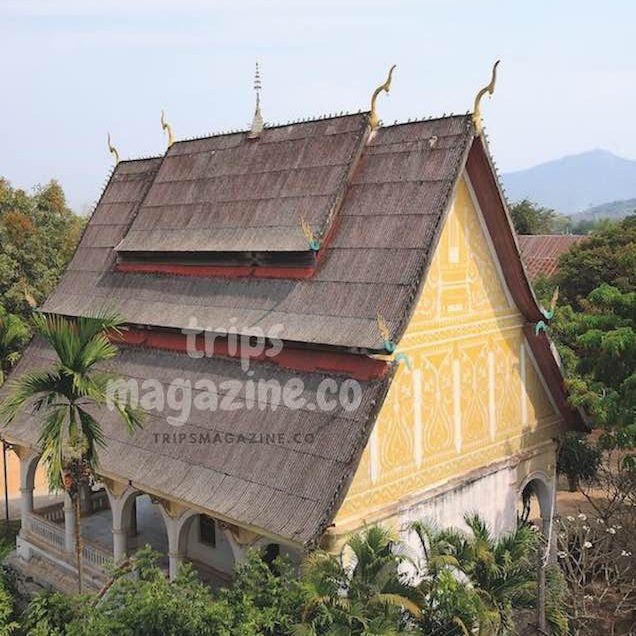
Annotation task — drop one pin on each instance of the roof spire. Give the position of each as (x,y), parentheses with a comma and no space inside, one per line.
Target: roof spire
(490,89)
(257,122)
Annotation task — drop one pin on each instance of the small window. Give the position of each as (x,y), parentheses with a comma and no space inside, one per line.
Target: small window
(207,530)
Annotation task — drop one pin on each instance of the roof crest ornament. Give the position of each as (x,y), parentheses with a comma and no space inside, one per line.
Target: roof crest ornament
(113,150)
(490,89)
(389,345)
(168,129)
(374,120)
(314,243)
(257,122)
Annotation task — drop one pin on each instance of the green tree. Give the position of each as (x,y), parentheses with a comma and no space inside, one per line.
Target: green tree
(449,606)
(500,569)
(38,234)
(578,459)
(63,396)
(366,596)
(529,218)
(13,335)
(605,257)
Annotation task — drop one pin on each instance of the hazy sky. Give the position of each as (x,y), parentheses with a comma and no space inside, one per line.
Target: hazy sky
(73,69)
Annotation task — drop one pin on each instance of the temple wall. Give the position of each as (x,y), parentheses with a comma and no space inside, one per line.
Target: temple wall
(473,395)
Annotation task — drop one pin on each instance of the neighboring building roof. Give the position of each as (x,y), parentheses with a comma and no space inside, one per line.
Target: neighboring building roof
(385,237)
(289,487)
(541,252)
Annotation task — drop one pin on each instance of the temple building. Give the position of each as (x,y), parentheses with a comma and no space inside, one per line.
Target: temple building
(376,261)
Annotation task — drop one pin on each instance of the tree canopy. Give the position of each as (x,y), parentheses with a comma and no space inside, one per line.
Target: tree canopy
(595,328)
(38,233)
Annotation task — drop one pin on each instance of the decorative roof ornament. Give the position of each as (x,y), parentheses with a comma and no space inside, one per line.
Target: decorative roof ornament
(547,313)
(257,122)
(490,89)
(374,120)
(168,129)
(314,243)
(113,150)
(383,328)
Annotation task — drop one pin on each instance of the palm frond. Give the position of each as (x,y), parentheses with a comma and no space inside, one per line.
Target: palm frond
(41,386)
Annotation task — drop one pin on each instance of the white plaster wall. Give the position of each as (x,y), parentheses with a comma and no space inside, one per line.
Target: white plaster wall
(220,557)
(493,497)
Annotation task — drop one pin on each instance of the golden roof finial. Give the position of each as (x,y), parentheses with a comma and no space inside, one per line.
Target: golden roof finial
(257,122)
(113,150)
(490,89)
(168,129)
(374,120)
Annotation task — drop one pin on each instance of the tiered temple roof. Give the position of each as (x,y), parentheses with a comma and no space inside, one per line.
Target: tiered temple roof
(212,231)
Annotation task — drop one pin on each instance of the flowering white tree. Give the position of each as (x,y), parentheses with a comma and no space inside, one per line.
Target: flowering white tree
(599,571)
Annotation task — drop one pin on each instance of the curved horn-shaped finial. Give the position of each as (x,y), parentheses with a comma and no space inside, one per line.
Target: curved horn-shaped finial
(113,150)
(490,89)
(168,129)
(374,120)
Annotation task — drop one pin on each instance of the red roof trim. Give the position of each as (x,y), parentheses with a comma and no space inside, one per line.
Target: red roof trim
(482,177)
(358,366)
(214,271)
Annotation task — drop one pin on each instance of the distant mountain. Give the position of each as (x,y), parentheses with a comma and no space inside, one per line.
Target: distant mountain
(615,210)
(575,183)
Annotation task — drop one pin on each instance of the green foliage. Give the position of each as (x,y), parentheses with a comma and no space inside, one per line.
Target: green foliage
(529,218)
(578,459)
(70,435)
(7,623)
(594,329)
(38,234)
(14,334)
(260,601)
(469,583)
(606,257)
(361,593)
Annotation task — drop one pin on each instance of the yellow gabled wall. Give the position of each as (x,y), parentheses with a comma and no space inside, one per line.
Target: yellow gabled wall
(474,394)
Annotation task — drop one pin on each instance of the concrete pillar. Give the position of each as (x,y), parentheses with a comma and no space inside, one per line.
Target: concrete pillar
(175,559)
(120,544)
(122,502)
(177,520)
(26,505)
(69,524)
(28,464)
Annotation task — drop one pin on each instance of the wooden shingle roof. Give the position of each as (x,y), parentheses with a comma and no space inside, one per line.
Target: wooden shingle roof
(385,235)
(286,476)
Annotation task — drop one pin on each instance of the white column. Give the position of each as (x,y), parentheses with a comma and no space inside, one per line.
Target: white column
(28,465)
(177,528)
(69,524)
(120,544)
(176,553)
(122,505)
(26,505)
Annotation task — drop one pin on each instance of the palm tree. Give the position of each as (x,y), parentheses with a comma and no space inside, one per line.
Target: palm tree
(63,395)
(359,593)
(500,569)
(13,334)
(450,604)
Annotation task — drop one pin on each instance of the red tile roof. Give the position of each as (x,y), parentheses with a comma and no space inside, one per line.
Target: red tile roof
(540,253)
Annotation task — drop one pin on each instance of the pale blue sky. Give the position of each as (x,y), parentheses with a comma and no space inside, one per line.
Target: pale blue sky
(73,69)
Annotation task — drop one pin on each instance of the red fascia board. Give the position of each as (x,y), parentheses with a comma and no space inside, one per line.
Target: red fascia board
(358,366)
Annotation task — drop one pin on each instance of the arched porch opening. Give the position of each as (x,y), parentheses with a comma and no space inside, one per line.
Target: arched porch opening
(536,500)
